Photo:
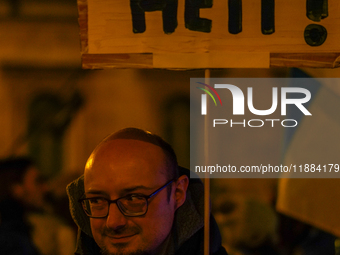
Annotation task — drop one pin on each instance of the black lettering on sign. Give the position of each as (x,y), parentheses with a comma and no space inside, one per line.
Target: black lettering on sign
(192,15)
(235,16)
(317,9)
(169,14)
(315,35)
(267,16)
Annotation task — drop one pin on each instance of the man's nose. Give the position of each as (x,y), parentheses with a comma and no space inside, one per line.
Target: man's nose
(115,220)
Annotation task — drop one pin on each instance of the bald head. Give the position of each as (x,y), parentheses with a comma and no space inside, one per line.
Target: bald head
(170,169)
(124,163)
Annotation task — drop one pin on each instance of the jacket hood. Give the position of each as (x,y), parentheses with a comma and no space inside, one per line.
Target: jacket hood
(189,217)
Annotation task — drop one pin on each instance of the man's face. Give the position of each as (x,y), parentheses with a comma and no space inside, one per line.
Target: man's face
(119,168)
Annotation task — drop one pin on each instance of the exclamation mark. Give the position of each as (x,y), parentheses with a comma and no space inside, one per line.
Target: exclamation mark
(267,17)
(315,34)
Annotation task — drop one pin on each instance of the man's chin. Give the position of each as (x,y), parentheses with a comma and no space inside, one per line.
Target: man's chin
(121,248)
(105,251)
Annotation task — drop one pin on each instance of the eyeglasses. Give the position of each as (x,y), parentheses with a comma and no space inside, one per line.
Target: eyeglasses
(131,205)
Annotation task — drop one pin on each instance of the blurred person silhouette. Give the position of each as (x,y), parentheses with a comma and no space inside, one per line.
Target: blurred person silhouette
(19,193)
(24,209)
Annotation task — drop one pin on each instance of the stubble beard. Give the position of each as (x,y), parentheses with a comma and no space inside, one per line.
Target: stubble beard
(104,251)
(120,248)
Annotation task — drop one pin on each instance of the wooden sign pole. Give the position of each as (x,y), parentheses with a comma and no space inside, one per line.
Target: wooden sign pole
(206,183)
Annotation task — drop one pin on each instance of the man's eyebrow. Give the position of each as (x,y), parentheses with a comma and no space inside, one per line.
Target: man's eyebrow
(139,187)
(95,192)
(123,191)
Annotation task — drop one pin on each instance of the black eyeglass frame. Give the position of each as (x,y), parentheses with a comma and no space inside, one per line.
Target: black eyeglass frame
(115,201)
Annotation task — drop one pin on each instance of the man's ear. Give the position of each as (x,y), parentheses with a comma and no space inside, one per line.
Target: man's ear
(181,187)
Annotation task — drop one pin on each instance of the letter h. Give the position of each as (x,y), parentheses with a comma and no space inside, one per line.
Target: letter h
(169,13)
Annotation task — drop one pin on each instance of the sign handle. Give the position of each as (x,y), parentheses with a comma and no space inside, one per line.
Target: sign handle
(206,181)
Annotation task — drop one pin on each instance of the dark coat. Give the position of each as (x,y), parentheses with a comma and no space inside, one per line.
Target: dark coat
(15,232)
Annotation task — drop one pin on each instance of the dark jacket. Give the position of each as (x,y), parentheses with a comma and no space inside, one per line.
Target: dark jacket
(15,232)
(187,233)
